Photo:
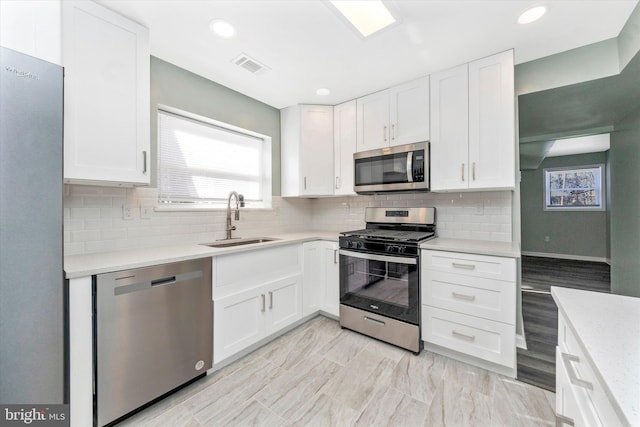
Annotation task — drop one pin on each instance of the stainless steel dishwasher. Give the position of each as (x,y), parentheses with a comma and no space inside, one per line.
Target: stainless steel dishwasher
(153,332)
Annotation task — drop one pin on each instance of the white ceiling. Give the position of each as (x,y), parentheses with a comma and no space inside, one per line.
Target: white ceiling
(307,45)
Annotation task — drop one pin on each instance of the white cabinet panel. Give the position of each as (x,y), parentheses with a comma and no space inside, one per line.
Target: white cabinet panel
(321,290)
(32,27)
(331,278)
(344,145)
(307,150)
(498,268)
(492,122)
(284,305)
(449,129)
(395,116)
(476,296)
(473,126)
(107,66)
(482,338)
(238,322)
(409,112)
(373,121)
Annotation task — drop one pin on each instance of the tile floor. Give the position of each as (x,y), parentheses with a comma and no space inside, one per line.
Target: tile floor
(321,375)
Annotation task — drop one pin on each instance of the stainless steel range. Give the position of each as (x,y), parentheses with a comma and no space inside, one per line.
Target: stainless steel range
(380,274)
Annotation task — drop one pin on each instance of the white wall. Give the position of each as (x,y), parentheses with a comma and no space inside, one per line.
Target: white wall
(93,217)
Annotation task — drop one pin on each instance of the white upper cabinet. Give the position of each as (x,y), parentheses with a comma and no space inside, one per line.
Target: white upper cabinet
(107,66)
(344,145)
(32,27)
(449,128)
(395,116)
(492,135)
(307,150)
(473,126)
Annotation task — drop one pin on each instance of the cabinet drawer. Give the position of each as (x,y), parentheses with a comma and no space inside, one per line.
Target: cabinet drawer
(584,377)
(490,267)
(475,296)
(481,338)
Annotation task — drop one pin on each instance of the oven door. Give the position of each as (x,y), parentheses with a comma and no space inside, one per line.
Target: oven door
(382,284)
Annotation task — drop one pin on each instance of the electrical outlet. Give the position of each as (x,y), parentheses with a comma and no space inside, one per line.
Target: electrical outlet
(547,238)
(127,212)
(146,211)
(479,209)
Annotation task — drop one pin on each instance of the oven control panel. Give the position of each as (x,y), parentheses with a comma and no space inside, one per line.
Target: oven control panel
(381,247)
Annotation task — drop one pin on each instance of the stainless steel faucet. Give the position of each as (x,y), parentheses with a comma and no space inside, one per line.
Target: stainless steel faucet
(239,204)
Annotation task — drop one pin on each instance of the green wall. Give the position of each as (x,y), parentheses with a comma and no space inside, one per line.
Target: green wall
(625,206)
(175,87)
(578,234)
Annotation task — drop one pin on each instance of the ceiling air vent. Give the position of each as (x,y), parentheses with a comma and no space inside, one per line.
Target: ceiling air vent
(250,64)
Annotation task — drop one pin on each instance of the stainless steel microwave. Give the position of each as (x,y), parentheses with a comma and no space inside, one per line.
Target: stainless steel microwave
(400,168)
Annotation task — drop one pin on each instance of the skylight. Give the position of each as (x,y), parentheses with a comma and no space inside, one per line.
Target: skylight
(368,17)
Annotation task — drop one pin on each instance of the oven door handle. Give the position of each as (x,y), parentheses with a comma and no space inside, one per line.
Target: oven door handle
(384,258)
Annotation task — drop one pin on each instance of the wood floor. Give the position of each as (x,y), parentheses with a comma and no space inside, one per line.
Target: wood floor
(321,375)
(537,364)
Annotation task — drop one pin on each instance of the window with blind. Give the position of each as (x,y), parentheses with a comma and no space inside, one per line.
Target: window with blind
(200,161)
(574,188)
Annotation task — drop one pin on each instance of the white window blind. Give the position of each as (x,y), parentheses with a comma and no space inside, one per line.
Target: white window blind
(200,162)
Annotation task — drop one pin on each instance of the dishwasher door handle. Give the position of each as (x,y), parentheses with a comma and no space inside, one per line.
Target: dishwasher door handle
(164,281)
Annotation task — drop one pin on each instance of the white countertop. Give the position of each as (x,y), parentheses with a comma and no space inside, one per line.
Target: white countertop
(608,329)
(480,247)
(89,264)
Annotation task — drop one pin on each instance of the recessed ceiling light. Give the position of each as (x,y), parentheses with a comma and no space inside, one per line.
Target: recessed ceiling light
(222,28)
(367,16)
(532,14)
(323,91)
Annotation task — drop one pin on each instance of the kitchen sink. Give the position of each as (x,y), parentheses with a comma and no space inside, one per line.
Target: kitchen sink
(239,242)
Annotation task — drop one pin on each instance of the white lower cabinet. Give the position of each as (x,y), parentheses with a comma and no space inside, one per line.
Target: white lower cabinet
(469,308)
(255,294)
(581,399)
(243,319)
(321,278)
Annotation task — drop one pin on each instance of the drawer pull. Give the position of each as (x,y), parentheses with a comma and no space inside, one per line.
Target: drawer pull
(463,296)
(371,319)
(463,335)
(263,304)
(463,266)
(561,420)
(567,359)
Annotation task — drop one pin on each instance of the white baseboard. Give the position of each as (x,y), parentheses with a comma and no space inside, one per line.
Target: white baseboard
(565,256)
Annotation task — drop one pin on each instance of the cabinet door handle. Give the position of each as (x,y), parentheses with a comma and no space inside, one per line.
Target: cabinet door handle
(463,296)
(562,420)
(463,335)
(462,171)
(473,171)
(384,133)
(335,256)
(463,266)
(144,161)
(263,303)
(270,300)
(337,182)
(305,182)
(393,132)
(573,376)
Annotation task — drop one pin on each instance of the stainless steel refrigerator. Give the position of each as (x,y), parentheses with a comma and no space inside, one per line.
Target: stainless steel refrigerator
(32,301)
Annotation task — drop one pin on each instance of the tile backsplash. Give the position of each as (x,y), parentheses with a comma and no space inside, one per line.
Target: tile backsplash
(93,217)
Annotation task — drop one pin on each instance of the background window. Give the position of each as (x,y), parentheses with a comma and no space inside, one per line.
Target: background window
(574,188)
(200,161)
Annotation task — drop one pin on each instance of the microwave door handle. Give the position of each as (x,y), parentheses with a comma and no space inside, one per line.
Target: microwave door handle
(410,166)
